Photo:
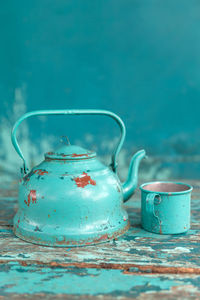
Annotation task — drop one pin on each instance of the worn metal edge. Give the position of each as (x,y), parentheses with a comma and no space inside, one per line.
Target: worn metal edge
(103,238)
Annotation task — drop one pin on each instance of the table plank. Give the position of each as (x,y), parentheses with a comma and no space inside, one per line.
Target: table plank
(138,265)
(32,282)
(138,248)
(135,249)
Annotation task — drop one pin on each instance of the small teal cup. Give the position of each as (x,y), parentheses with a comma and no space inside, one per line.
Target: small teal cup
(165,207)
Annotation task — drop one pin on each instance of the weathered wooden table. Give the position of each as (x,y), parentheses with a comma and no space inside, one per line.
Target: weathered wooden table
(139,265)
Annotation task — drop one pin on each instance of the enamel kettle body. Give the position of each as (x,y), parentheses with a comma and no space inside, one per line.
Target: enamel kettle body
(71,198)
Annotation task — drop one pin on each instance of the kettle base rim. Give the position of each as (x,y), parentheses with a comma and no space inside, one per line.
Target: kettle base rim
(67,243)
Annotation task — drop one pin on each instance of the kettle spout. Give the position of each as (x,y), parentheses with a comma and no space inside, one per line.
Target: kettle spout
(131,183)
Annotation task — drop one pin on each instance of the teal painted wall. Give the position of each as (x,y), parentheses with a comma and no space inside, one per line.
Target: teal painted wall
(137,58)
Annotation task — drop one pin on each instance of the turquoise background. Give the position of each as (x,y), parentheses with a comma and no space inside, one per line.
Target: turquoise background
(137,58)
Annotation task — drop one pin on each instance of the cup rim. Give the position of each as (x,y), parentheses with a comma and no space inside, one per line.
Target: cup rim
(190,188)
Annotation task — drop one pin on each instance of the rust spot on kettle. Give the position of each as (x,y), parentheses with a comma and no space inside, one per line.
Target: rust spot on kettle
(118,189)
(40,172)
(27,178)
(18,223)
(50,153)
(64,155)
(79,155)
(84,180)
(103,237)
(160,231)
(31,196)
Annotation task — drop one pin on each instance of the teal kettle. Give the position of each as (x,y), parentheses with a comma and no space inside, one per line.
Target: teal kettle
(71,198)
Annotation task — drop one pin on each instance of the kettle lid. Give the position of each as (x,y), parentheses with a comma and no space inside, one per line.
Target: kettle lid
(70,152)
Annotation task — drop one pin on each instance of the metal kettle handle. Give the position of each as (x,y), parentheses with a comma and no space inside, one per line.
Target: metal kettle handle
(71,112)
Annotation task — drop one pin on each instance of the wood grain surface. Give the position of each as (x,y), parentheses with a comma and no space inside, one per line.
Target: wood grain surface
(138,265)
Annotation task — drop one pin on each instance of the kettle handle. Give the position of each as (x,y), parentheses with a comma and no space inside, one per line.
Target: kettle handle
(71,112)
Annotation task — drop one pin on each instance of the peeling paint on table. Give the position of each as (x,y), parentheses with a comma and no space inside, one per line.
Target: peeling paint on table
(76,281)
(138,265)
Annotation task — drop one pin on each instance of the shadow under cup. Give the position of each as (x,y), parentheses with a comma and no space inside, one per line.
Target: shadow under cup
(165,207)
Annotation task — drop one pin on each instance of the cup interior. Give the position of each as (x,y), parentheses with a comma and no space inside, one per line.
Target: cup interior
(166,187)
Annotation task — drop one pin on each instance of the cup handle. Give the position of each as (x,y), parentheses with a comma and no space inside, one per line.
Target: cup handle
(150,203)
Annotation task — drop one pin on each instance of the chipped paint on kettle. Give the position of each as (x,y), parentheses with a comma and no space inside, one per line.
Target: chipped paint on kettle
(84,180)
(71,198)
